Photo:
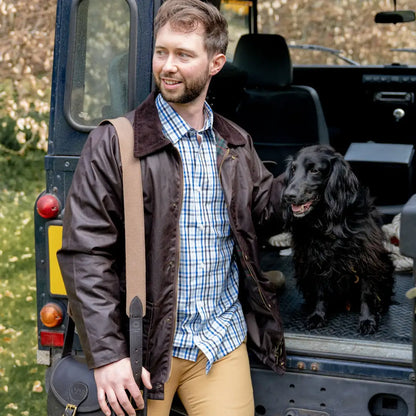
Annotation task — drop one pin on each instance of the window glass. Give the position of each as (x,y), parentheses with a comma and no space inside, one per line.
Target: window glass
(346,26)
(237,14)
(333,32)
(100,61)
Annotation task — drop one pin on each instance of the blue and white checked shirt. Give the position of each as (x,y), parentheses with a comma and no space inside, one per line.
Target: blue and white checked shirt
(209,314)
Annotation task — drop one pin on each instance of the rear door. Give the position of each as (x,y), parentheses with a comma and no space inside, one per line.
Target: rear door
(102,69)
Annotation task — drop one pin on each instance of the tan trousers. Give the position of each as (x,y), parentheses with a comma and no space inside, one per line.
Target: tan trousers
(225,391)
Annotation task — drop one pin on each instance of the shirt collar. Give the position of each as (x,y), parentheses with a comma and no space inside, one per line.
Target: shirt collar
(174,126)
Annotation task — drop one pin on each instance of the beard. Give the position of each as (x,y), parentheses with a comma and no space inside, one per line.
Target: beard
(191,90)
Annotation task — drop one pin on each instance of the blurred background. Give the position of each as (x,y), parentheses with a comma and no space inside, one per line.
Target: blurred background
(26,53)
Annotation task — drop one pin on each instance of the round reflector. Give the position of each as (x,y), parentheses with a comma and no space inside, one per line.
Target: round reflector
(51,315)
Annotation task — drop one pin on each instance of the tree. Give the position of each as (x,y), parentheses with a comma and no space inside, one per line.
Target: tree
(26,53)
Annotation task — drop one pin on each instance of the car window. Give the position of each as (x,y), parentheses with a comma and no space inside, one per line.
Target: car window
(237,14)
(334,32)
(98,72)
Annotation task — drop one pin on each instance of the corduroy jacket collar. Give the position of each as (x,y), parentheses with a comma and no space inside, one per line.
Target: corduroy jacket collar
(148,135)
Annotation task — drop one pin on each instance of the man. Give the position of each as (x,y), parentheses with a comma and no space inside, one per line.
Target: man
(205,190)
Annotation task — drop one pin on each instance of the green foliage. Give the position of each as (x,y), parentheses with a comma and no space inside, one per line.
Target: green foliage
(22,391)
(23,118)
(7,134)
(26,44)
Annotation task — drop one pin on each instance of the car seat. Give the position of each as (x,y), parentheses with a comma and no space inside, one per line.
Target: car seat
(281,117)
(225,90)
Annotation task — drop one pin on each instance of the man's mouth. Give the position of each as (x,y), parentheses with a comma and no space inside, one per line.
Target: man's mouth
(170,82)
(301,210)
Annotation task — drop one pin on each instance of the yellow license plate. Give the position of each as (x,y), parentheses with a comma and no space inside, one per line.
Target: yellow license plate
(56,282)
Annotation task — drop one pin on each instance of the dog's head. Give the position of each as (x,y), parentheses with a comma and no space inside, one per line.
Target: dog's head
(318,176)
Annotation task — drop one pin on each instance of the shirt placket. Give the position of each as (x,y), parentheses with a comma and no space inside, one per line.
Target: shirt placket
(200,231)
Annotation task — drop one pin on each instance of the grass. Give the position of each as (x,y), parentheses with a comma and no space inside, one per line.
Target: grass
(22,390)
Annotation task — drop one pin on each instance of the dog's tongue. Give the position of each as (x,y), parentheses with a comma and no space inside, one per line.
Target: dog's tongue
(297,209)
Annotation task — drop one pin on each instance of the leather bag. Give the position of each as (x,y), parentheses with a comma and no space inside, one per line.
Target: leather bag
(72,388)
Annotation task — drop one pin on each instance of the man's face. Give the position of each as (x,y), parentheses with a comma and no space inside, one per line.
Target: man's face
(181,66)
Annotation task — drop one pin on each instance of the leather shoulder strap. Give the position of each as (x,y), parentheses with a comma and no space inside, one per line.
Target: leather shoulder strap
(133,214)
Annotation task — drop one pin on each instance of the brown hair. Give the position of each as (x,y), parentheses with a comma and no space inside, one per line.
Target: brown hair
(187,15)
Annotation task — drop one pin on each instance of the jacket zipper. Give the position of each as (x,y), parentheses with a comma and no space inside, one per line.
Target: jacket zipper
(266,304)
(244,255)
(178,259)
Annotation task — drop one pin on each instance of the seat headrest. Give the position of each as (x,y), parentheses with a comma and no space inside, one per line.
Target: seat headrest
(266,59)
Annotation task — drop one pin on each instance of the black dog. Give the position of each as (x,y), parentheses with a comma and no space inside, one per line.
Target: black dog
(337,239)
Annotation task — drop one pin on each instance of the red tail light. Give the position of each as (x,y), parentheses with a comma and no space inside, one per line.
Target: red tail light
(48,206)
(51,339)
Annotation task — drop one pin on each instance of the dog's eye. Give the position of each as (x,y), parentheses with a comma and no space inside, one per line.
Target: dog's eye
(314,171)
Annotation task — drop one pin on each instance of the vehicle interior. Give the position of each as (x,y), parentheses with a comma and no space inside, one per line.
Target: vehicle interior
(300,84)
(348,79)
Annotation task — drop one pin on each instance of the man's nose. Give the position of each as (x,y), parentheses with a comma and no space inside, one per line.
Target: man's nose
(170,64)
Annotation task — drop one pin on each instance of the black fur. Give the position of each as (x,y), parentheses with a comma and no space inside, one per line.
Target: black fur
(337,239)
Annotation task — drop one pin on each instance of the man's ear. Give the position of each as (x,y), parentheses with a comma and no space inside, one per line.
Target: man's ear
(217,62)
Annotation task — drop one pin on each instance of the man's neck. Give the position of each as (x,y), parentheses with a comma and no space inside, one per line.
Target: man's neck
(192,113)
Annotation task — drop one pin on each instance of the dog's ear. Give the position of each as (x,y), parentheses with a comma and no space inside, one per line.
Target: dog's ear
(342,187)
(287,174)
(288,170)
(286,211)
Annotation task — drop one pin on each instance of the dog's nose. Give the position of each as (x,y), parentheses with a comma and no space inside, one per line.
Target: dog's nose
(289,195)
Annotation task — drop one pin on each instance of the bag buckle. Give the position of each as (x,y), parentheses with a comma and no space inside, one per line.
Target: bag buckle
(70,410)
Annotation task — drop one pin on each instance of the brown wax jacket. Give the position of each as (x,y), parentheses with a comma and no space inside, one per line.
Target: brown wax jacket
(91,258)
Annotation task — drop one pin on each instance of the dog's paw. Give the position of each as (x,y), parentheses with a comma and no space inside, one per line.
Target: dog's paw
(367,326)
(315,320)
